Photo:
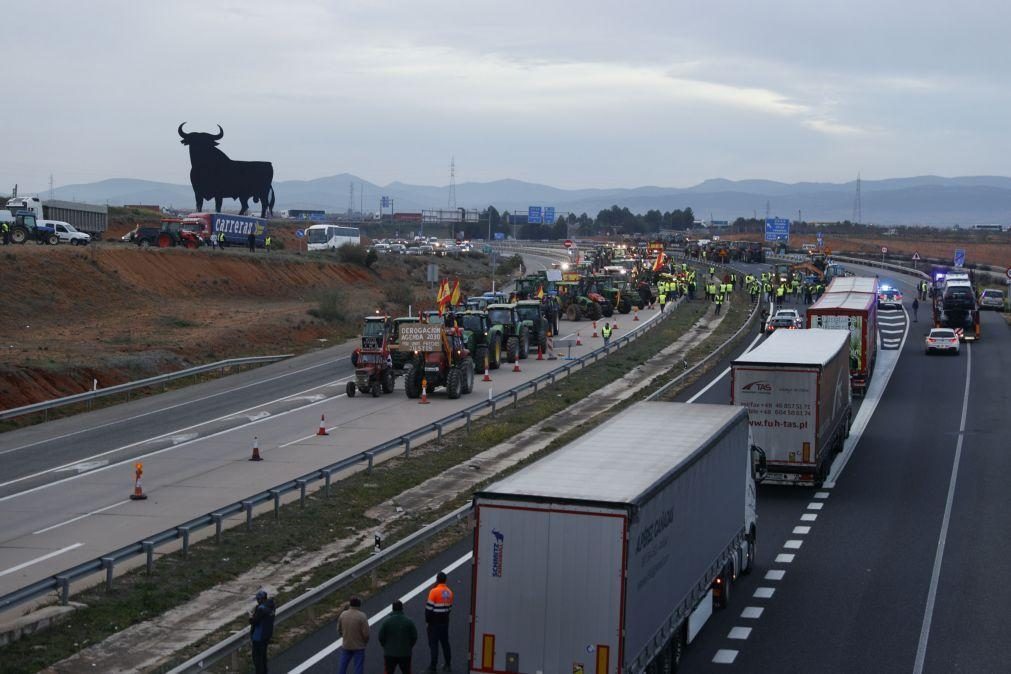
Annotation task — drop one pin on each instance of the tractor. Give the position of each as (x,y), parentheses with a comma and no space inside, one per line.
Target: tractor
(534,316)
(24,227)
(443,360)
(484,343)
(400,356)
(506,322)
(373,364)
(576,306)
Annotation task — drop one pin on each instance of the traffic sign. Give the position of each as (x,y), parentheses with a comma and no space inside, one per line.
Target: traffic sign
(567,243)
(916,256)
(959,257)
(884,250)
(1008,273)
(549,215)
(299,233)
(777,229)
(534,215)
(485,249)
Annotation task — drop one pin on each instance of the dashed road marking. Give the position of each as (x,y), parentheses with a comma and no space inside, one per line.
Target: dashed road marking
(764,592)
(784,558)
(752,612)
(740,633)
(724,656)
(801,530)
(808,517)
(815,506)
(775,574)
(822,494)
(793,544)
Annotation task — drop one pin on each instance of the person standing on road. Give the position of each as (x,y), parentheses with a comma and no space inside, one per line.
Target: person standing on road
(252,242)
(5,229)
(266,244)
(662,299)
(261,630)
(605,331)
(916,308)
(221,240)
(440,603)
(353,627)
(397,635)
(719,302)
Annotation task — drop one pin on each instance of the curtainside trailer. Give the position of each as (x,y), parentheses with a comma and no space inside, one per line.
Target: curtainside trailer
(856,312)
(608,555)
(796,388)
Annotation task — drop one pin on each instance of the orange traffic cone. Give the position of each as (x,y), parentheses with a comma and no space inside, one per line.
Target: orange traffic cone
(636,314)
(256,450)
(516,365)
(615,326)
(487,369)
(138,490)
(579,342)
(540,354)
(595,328)
(322,425)
(424,392)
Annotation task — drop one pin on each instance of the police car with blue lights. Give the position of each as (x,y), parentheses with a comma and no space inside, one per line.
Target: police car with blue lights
(889,297)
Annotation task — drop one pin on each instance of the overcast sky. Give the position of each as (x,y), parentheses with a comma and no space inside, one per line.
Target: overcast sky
(586,93)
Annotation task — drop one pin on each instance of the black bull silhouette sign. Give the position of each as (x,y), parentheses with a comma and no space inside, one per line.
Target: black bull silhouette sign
(215,176)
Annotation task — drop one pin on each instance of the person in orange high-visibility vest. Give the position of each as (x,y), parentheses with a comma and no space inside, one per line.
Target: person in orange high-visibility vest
(440,603)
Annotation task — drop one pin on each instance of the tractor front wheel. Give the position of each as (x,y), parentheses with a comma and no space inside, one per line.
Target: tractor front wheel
(467,382)
(513,349)
(412,383)
(454,383)
(350,389)
(389,382)
(481,363)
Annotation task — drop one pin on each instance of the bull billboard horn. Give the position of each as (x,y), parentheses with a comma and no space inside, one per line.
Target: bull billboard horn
(181,134)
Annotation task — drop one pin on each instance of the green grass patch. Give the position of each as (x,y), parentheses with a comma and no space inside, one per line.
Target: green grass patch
(176,580)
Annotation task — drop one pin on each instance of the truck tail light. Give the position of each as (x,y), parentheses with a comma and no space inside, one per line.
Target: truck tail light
(488,651)
(807,452)
(603,658)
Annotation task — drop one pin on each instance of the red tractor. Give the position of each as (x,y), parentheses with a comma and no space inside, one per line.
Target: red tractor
(372,361)
(442,360)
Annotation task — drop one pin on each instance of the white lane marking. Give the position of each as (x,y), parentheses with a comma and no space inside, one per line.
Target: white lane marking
(821,494)
(928,611)
(815,506)
(808,517)
(162,410)
(148,454)
(330,648)
(870,403)
(725,656)
(793,544)
(801,530)
(172,433)
(722,374)
(82,467)
(739,633)
(185,437)
(764,592)
(752,612)
(784,558)
(262,414)
(892,332)
(80,517)
(775,574)
(43,558)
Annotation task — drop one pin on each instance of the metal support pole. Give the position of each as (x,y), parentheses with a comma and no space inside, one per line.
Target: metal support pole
(248,505)
(301,492)
(438,430)
(326,483)
(217,527)
(149,554)
(109,564)
(371,460)
(407,446)
(64,583)
(185,533)
(277,503)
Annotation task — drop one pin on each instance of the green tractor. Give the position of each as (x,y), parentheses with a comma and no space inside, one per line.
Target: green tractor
(484,343)
(531,312)
(506,323)
(400,356)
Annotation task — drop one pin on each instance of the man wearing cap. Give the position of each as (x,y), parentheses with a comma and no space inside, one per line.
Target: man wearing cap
(261,629)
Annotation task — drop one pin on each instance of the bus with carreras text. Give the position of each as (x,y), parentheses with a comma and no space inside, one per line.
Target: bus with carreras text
(332,237)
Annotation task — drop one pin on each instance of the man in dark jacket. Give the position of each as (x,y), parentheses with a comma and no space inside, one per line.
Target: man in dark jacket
(261,629)
(397,635)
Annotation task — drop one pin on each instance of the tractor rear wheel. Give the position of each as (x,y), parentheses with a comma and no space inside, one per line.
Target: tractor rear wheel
(467,383)
(572,312)
(191,244)
(389,382)
(513,349)
(524,343)
(19,235)
(350,390)
(495,353)
(481,363)
(412,383)
(164,241)
(454,383)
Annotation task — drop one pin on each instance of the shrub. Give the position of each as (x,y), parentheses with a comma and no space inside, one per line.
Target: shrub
(330,307)
(352,254)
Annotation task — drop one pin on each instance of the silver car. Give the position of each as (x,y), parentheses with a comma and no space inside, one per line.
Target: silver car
(992,299)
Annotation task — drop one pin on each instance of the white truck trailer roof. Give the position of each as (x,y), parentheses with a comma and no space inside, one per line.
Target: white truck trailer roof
(813,347)
(853,284)
(626,458)
(843,300)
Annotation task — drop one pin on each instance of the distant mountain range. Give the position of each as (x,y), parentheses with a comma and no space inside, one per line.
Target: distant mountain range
(930,200)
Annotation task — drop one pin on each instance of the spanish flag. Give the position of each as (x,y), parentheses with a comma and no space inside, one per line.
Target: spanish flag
(540,293)
(455,296)
(661,260)
(443,295)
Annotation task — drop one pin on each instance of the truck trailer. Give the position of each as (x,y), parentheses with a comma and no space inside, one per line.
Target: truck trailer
(88,218)
(858,313)
(608,556)
(796,388)
(236,228)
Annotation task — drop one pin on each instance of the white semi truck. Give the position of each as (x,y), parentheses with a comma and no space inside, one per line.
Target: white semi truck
(609,555)
(796,387)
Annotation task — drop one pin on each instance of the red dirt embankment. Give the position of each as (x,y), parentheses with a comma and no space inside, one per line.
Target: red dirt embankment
(118,313)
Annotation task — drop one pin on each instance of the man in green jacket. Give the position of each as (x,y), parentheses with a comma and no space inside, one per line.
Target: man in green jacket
(397,635)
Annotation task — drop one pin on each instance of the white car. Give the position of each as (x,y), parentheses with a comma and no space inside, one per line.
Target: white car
(792,314)
(67,234)
(943,340)
(992,299)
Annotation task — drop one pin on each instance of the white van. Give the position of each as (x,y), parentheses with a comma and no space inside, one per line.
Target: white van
(67,233)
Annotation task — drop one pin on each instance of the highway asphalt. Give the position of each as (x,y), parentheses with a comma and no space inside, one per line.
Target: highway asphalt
(892,566)
(68,514)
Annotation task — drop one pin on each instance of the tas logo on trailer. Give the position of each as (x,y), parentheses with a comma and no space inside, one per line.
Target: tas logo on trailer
(758,386)
(497,549)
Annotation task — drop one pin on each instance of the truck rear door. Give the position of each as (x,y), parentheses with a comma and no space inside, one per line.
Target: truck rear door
(547,589)
(782,410)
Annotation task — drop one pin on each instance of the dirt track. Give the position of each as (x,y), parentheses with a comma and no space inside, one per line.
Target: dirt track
(116,313)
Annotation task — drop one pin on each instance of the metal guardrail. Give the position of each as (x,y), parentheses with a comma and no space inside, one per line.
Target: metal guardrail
(237,641)
(47,405)
(60,582)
